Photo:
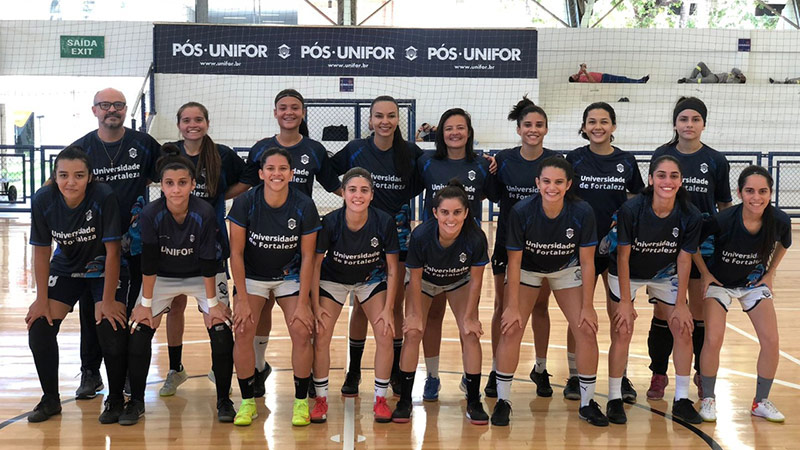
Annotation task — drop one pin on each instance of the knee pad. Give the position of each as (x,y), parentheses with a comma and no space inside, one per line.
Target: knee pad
(42,336)
(140,341)
(221,338)
(113,343)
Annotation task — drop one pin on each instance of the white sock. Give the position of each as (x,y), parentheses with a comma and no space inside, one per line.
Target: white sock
(432,364)
(541,365)
(504,385)
(260,347)
(494,365)
(573,366)
(682,386)
(614,388)
(321,387)
(380,387)
(588,383)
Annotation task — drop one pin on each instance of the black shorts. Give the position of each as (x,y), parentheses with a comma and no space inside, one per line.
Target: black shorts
(601,263)
(68,290)
(499,258)
(695,273)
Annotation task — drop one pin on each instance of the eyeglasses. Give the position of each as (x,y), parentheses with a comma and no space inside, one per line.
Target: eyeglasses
(105,106)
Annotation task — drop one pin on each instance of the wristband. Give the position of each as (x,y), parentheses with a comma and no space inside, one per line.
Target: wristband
(147,302)
(212,302)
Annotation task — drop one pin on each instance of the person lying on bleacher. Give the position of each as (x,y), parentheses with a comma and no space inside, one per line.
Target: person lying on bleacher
(701,74)
(584,76)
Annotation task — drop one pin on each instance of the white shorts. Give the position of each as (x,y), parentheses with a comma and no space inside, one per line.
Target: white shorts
(432,290)
(664,290)
(338,292)
(167,289)
(280,288)
(562,279)
(749,297)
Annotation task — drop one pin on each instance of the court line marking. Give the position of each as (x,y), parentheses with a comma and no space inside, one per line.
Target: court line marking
(755,339)
(348,434)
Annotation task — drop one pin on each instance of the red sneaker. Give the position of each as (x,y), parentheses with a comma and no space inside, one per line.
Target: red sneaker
(320,412)
(382,412)
(657,385)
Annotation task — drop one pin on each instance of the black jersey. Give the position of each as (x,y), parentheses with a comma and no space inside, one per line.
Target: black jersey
(126,165)
(735,262)
(706,175)
(605,181)
(356,256)
(655,242)
(515,180)
(391,192)
(436,173)
(181,245)
(272,250)
(443,266)
(309,160)
(231,169)
(80,233)
(549,245)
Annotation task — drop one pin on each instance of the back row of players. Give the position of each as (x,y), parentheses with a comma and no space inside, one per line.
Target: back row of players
(631,235)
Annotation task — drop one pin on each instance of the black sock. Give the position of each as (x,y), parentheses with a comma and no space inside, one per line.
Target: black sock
(473,387)
(406,385)
(91,354)
(139,352)
(659,346)
(115,351)
(356,352)
(175,356)
(44,346)
(398,348)
(301,387)
(246,386)
(222,357)
(698,336)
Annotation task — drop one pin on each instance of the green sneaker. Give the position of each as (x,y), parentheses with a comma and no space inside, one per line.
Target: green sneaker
(300,416)
(247,412)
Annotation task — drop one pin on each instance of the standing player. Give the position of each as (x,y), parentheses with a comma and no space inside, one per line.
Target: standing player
(180,256)
(706,177)
(657,231)
(125,160)
(750,241)
(218,169)
(309,161)
(273,237)
(512,183)
(606,177)
(550,236)
(357,255)
(82,216)
(454,157)
(446,255)
(392,161)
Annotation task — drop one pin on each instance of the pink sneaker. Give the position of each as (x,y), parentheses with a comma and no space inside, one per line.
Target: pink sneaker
(698,381)
(382,412)
(657,385)
(320,412)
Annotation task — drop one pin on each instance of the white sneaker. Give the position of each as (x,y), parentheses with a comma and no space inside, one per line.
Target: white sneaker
(174,379)
(767,410)
(708,409)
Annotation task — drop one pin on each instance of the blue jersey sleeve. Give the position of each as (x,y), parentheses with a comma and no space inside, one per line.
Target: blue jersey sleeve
(208,231)
(784,227)
(340,160)
(694,225)
(324,236)
(415,258)
(636,183)
(310,219)
(625,224)
(250,172)
(480,257)
(40,230)
(588,226)
(391,242)
(327,177)
(722,188)
(239,211)
(147,228)
(232,166)
(515,239)
(112,229)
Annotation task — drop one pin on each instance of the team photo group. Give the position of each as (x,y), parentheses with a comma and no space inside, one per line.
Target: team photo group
(680,239)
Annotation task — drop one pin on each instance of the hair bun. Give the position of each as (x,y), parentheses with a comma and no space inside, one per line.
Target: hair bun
(170,149)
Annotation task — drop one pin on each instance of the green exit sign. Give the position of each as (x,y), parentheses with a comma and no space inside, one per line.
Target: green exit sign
(83,46)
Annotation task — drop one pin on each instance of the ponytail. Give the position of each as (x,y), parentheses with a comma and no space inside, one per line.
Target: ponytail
(172,159)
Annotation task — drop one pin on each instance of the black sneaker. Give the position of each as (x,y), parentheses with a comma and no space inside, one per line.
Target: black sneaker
(261,377)
(225,411)
(572,391)
(616,412)
(502,409)
(684,410)
(134,409)
(91,384)
(543,388)
(628,392)
(476,413)
(592,414)
(402,412)
(491,387)
(47,408)
(397,385)
(112,411)
(351,382)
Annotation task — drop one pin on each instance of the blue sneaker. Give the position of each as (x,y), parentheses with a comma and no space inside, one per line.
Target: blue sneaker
(463,385)
(431,391)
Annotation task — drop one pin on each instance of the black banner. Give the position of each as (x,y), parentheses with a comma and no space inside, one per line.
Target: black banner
(344,51)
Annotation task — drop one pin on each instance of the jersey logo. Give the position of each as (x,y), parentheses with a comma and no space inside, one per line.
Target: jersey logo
(471,175)
(88,215)
(578,274)
(191,238)
(292,224)
(462,257)
(374,242)
(222,288)
(304,159)
(51,282)
(675,231)
(704,167)
(620,168)
(132,152)
(570,233)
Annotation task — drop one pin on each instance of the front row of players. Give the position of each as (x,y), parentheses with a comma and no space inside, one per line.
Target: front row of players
(279,247)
